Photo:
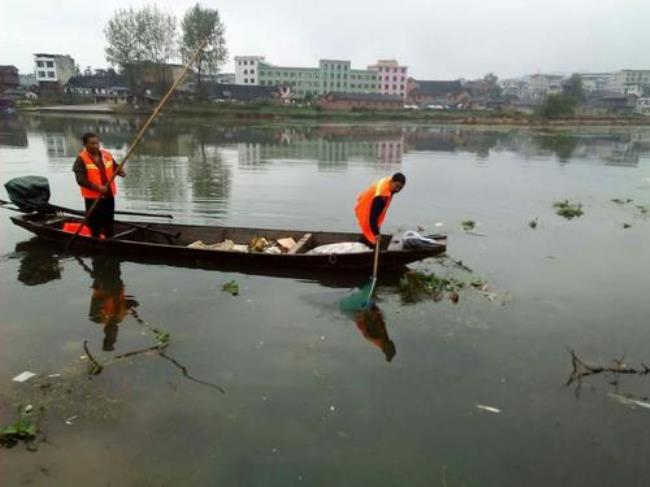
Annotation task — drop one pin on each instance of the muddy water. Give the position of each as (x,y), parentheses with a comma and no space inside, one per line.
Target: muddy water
(310,397)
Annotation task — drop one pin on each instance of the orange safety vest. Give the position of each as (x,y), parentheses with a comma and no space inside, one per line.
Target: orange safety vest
(94,174)
(364,205)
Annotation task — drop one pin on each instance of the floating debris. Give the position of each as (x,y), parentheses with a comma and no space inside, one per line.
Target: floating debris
(643,209)
(468,225)
(627,225)
(619,201)
(533,223)
(231,287)
(489,409)
(415,286)
(568,209)
(630,401)
(22,430)
(24,376)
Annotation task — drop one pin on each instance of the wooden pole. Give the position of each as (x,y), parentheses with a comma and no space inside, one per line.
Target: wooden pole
(141,133)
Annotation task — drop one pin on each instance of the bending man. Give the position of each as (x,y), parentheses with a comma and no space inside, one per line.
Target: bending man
(373,203)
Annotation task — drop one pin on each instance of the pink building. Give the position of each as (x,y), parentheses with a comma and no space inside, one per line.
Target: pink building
(392,77)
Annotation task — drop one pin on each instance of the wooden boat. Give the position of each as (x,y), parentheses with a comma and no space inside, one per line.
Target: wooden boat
(165,242)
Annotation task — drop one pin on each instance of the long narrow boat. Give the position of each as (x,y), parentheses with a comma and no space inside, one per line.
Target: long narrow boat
(169,242)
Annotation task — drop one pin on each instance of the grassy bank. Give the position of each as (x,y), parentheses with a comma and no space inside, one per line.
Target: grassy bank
(265,112)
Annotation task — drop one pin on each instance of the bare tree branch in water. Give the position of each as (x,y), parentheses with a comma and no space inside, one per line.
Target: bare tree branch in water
(94,368)
(582,369)
(187,374)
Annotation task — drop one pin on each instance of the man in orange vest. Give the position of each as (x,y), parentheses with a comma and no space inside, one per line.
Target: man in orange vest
(373,203)
(93,169)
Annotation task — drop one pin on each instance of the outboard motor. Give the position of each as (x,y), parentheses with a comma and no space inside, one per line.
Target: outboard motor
(29,193)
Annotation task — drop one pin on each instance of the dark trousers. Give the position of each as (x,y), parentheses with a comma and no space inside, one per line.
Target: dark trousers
(102,217)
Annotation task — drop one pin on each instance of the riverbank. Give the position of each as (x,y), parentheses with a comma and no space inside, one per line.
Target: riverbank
(259,112)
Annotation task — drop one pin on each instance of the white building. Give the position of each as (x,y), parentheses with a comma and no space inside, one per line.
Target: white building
(246,69)
(593,82)
(629,80)
(53,68)
(392,78)
(542,85)
(643,106)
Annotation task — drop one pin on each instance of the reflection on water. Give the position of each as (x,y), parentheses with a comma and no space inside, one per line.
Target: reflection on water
(109,304)
(372,325)
(38,263)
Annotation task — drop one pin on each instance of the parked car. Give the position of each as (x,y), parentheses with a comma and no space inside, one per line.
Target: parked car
(411,107)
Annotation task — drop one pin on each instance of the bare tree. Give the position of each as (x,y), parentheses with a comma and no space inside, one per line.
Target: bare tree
(135,36)
(198,24)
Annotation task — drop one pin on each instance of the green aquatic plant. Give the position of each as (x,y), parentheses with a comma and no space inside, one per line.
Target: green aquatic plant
(22,430)
(468,225)
(627,225)
(619,201)
(643,209)
(568,209)
(533,223)
(231,287)
(416,286)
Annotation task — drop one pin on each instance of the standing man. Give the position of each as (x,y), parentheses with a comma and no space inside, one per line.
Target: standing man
(373,203)
(93,169)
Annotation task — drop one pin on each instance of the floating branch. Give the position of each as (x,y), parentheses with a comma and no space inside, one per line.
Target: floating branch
(582,369)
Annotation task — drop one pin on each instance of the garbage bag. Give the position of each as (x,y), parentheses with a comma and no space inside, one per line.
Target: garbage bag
(413,240)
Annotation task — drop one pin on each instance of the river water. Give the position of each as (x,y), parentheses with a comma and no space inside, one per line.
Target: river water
(307,394)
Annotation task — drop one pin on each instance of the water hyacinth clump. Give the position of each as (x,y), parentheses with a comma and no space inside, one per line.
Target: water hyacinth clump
(568,209)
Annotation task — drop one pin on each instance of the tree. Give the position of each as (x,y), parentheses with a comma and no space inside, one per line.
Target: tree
(494,89)
(134,36)
(88,71)
(198,24)
(572,88)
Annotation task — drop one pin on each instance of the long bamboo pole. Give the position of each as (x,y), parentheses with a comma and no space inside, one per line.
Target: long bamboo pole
(141,133)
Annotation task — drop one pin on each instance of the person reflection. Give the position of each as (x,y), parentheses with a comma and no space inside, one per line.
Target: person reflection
(373,327)
(109,304)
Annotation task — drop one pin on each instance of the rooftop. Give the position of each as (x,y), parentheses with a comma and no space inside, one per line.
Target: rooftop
(363,97)
(438,88)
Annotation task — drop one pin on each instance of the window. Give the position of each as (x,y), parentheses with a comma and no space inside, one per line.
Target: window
(245,63)
(402,80)
(394,87)
(245,80)
(246,71)
(239,62)
(386,87)
(338,66)
(394,78)
(49,64)
(404,70)
(50,74)
(252,71)
(401,87)
(40,64)
(41,74)
(394,70)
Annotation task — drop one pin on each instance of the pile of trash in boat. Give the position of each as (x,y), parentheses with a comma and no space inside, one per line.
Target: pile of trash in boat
(288,245)
(285,245)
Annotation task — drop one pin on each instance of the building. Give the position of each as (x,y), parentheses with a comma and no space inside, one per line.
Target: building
(330,75)
(53,71)
(643,106)
(539,86)
(244,93)
(103,87)
(595,82)
(392,78)
(513,88)
(359,101)
(612,103)
(246,69)
(438,93)
(226,78)
(8,78)
(629,80)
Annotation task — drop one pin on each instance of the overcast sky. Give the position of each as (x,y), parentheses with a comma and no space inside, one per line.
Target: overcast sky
(437,39)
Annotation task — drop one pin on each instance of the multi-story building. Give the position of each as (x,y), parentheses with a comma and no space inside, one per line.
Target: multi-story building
(247,69)
(53,69)
(392,78)
(629,80)
(330,76)
(643,106)
(595,82)
(541,85)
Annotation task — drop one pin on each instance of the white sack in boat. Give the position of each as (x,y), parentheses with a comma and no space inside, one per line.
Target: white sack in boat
(340,248)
